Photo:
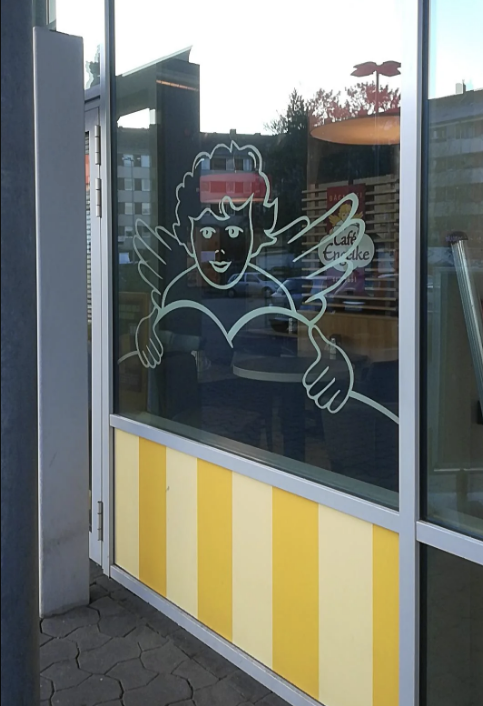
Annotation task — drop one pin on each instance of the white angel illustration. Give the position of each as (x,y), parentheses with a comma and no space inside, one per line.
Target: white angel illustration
(226,232)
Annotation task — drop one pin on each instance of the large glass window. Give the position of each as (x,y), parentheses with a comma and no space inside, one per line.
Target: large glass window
(451,630)
(453,261)
(257,299)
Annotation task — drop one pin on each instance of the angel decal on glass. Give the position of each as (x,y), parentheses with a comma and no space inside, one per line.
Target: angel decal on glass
(216,239)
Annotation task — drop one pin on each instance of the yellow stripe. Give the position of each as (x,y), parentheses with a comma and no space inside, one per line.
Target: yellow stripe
(386,617)
(252,568)
(152,515)
(181,531)
(215,548)
(126,493)
(345,624)
(296,591)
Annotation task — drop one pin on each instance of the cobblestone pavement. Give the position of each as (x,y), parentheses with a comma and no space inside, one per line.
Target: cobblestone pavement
(119,651)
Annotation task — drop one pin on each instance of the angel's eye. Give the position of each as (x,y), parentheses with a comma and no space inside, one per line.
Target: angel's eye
(234,231)
(208,231)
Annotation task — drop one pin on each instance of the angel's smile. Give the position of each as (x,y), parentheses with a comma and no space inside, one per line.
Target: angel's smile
(220,267)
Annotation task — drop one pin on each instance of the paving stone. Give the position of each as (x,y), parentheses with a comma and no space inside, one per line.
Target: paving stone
(118,625)
(147,638)
(151,665)
(188,643)
(249,688)
(108,584)
(95,571)
(162,691)
(107,607)
(56,651)
(65,674)
(214,663)
(197,676)
(63,625)
(137,606)
(163,660)
(95,690)
(101,659)
(88,638)
(120,594)
(46,689)
(44,639)
(220,694)
(132,674)
(97,592)
(162,624)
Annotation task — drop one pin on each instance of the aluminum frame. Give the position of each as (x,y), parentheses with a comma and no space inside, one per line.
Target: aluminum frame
(321,494)
(451,542)
(106,381)
(409,363)
(92,117)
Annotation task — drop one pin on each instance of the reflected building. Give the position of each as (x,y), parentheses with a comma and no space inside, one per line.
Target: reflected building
(455,193)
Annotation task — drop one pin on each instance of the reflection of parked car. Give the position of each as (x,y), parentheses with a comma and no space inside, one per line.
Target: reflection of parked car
(299,289)
(251,284)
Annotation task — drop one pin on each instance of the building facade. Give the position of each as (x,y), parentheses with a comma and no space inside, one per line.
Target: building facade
(286,304)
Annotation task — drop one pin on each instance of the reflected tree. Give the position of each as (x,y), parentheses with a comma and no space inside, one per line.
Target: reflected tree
(93,68)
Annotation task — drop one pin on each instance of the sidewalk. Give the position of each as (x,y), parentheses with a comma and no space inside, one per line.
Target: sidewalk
(120,651)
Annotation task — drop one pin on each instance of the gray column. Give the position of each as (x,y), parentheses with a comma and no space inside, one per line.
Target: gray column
(19,530)
(62,321)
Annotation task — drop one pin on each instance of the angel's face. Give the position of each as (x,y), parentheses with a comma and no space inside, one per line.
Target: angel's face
(222,241)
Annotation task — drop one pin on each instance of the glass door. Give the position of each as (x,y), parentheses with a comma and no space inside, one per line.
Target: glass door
(93,218)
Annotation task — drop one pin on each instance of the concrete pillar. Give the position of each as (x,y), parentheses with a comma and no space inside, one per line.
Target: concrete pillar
(62,321)
(19,531)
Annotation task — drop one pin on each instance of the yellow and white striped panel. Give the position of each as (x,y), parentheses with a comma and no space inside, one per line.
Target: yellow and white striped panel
(252,568)
(182,531)
(307,591)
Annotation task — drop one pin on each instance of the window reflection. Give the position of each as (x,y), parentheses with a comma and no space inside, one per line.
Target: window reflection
(258,270)
(453,288)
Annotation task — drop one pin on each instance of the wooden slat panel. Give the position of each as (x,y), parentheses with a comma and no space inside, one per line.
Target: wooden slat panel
(382,224)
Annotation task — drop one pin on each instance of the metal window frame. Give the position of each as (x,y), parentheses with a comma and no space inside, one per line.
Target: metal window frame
(92,117)
(321,494)
(409,363)
(105,380)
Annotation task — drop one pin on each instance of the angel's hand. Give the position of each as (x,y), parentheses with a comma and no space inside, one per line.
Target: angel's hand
(148,345)
(326,383)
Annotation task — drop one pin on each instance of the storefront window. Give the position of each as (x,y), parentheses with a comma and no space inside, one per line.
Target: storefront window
(453,263)
(257,291)
(451,630)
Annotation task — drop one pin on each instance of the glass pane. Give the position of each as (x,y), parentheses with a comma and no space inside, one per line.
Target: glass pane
(453,259)
(451,630)
(84,19)
(283,166)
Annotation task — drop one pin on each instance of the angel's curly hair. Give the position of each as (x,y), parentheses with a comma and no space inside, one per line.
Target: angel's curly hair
(188,194)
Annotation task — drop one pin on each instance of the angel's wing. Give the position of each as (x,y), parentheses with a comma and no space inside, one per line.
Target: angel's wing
(153,248)
(343,259)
